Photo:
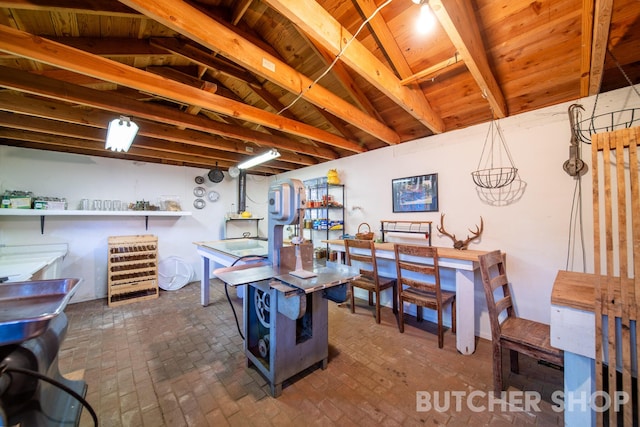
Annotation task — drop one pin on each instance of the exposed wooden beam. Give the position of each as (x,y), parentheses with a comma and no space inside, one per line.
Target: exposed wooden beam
(53,89)
(341,72)
(43,50)
(458,20)
(239,10)
(585,46)
(384,36)
(67,117)
(601,24)
(420,75)
(87,7)
(190,22)
(318,24)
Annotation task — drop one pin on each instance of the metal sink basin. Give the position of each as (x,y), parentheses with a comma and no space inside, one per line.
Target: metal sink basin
(26,308)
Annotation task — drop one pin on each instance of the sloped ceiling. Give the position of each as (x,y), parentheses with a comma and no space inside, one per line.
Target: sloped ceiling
(215,81)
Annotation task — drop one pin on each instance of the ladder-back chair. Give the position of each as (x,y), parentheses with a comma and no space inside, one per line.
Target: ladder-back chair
(509,331)
(419,291)
(363,251)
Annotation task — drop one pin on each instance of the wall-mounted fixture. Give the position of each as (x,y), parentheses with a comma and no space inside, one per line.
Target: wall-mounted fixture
(120,134)
(264,157)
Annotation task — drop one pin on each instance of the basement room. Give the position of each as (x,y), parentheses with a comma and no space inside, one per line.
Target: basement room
(319,212)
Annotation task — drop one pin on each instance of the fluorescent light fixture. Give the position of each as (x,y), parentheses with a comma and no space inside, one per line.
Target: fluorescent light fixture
(120,134)
(264,157)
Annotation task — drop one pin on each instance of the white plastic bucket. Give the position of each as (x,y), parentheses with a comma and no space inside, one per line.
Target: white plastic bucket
(174,273)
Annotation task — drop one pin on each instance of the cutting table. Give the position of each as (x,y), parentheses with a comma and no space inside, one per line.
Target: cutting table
(225,253)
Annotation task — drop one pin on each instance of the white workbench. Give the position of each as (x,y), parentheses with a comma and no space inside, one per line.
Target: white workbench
(224,253)
(21,263)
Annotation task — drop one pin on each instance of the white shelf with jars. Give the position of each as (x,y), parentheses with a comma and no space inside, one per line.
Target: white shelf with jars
(324,213)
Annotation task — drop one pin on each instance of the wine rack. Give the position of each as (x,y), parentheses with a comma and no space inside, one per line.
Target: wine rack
(132,269)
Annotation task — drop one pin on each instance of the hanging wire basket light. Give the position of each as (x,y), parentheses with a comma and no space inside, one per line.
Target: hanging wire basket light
(495,168)
(503,196)
(607,122)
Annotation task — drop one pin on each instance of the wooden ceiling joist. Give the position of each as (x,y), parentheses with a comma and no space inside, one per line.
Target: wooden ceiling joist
(318,24)
(599,44)
(54,89)
(190,22)
(64,114)
(457,19)
(62,56)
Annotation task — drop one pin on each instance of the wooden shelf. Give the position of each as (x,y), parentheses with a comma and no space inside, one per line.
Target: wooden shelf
(42,213)
(410,227)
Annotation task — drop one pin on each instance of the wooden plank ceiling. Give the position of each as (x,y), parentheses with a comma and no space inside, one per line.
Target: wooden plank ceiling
(215,81)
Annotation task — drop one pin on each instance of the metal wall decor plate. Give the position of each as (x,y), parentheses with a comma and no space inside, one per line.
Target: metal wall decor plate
(213,196)
(199,203)
(199,191)
(199,179)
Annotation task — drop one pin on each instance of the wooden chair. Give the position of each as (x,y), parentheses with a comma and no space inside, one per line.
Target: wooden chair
(420,292)
(511,332)
(364,251)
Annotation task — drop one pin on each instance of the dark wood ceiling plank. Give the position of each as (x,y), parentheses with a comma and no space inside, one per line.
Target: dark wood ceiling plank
(190,22)
(40,49)
(39,85)
(318,24)
(89,7)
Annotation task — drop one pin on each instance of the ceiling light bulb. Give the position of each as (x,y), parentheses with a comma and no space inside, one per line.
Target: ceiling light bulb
(426,20)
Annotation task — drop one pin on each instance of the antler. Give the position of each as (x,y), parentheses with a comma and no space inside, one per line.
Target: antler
(459,244)
(441,229)
(476,234)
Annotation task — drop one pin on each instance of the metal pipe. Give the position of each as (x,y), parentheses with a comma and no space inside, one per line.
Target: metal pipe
(242,191)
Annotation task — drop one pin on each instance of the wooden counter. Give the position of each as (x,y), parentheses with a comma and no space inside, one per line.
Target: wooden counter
(577,290)
(465,255)
(574,290)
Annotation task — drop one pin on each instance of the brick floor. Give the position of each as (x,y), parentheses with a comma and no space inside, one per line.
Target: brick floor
(172,362)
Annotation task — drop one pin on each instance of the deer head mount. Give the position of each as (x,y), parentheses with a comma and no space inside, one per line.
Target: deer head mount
(461,244)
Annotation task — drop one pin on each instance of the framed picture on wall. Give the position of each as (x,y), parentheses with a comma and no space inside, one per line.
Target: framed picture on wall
(415,193)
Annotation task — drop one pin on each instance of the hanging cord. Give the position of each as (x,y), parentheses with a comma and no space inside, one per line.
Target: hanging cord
(335,60)
(226,290)
(5,369)
(576,213)
(623,73)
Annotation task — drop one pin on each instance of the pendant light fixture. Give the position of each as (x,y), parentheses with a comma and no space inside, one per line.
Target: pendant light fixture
(495,167)
(120,134)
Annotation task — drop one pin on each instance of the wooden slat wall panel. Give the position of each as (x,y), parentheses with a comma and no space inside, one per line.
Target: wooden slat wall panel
(616,216)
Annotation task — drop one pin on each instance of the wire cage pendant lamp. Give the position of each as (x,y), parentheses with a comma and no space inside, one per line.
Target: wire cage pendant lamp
(495,167)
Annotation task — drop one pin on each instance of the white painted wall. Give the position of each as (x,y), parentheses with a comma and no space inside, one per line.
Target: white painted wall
(534,231)
(75,177)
